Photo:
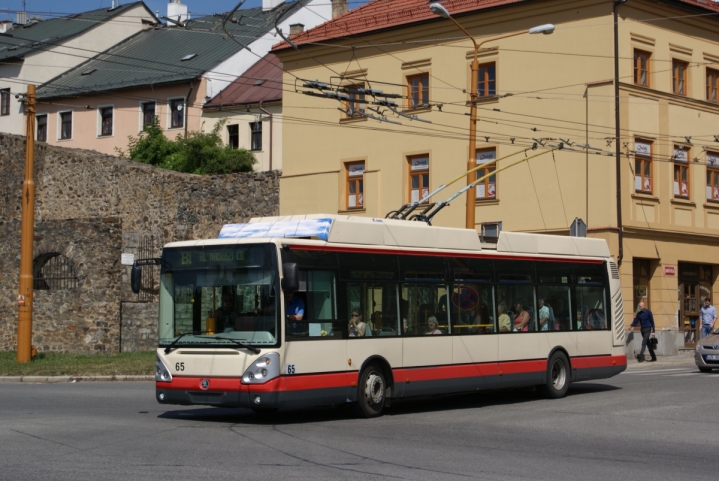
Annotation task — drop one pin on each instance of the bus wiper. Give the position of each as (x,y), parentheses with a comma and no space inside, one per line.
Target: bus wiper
(168,349)
(237,343)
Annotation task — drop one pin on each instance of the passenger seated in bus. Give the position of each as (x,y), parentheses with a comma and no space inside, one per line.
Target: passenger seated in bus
(545,323)
(432,326)
(504,323)
(405,328)
(357,328)
(225,315)
(521,318)
(377,320)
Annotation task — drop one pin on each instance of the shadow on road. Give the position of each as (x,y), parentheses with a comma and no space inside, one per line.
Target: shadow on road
(398,408)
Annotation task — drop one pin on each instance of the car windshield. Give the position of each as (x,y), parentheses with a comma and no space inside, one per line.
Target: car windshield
(219,296)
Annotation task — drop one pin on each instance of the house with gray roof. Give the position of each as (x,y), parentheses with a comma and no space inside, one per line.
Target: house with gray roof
(167,71)
(35,51)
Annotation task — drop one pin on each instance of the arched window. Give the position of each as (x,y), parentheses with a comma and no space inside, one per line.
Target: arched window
(53,271)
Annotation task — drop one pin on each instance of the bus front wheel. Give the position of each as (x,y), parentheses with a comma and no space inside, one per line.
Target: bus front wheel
(558,376)
(371,393)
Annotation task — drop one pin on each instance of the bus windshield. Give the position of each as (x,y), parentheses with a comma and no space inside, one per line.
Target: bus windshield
(216,296)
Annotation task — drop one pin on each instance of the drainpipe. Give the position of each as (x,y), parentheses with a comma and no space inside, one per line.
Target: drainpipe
(187,102)
(617,132)
(270,115)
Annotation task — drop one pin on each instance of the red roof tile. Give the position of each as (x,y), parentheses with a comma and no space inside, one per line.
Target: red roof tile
(383,14)
(260,83)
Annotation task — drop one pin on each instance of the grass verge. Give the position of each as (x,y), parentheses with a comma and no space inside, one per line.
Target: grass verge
(59,364)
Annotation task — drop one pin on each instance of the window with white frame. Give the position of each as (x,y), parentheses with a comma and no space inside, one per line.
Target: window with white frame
(41,121)
(148,113)
(105,116)
(65,125)
(177,113)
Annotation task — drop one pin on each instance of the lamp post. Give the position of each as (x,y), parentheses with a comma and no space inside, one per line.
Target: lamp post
(439,9)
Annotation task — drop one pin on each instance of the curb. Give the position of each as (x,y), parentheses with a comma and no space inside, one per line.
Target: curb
(72,379)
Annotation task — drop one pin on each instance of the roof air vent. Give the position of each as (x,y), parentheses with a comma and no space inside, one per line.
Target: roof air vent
(88,72)
(189,57)
(259,82)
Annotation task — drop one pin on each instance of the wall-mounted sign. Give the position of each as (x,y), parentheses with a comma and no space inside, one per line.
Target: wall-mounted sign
(127,259)
(669,271)
(356,170)
(420,163)
(712,159)
(486,156)
(681,155)
(641,148)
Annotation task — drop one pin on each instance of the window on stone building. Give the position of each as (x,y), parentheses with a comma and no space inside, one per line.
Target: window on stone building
(487,80)
(105,121)
(486,189)
(679,77)
(53,271)
(65,125)
(5,102)
(233,136)
(177,113)
(41,121)
(355,185)
(712,85)
(256,132)
(681,172)
(148,113)
(418,177)
(713,176)
(418,88)
(641,68)
(643,167)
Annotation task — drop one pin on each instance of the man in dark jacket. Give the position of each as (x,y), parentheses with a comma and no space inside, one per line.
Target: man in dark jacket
(646,323)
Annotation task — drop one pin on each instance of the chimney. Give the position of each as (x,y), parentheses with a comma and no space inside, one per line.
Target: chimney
(176,11)
(268,5)
(338,7)
(5,25)
(21,18)
(296,29)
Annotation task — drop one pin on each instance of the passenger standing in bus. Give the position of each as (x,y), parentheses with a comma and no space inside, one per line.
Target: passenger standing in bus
(645,319)
(356,326)
(225,314)
(505,323)
(521,318)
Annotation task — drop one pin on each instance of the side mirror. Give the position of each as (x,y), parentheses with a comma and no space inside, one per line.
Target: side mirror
(136,279)
(291,279)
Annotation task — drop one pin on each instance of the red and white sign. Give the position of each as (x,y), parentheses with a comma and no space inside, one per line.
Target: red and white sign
(712,159)
(681,155)
(669,271)
(483,157)
(642,148)
(20,300)
(420,163)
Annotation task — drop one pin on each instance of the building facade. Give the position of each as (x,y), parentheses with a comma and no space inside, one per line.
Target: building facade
(365,152)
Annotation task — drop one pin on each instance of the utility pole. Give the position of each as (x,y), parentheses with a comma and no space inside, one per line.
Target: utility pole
(25,294)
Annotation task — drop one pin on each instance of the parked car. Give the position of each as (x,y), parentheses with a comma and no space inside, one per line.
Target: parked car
(706,355)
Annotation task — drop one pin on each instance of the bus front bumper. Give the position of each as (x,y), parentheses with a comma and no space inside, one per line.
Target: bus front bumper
(219,392)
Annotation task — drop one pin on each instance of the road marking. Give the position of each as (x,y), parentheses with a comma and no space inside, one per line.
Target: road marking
(654,371)
(686,374)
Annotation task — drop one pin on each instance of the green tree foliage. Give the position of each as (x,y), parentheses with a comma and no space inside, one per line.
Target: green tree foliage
(199,153)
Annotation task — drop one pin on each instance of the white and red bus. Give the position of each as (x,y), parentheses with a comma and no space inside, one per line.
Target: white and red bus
(380,310)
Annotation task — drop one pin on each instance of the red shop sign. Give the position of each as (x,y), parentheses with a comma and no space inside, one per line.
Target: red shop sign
(669,270)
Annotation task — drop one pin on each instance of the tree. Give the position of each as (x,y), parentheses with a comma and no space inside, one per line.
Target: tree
(199,153)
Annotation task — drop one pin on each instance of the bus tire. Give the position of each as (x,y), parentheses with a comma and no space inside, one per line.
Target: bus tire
(371,391)
(558,376)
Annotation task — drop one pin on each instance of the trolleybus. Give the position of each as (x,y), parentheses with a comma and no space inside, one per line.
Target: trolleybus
(327,309)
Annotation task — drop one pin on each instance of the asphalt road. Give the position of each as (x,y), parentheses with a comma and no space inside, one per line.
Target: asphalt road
(658,422)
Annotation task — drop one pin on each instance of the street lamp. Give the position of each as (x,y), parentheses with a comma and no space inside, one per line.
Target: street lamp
(439,9)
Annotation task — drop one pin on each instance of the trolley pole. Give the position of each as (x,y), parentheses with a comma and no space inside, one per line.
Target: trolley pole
(25,294)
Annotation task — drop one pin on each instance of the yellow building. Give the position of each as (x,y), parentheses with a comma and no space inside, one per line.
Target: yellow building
(342,156)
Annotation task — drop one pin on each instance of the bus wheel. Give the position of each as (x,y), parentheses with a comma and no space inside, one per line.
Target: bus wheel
(557,383)
(372,388)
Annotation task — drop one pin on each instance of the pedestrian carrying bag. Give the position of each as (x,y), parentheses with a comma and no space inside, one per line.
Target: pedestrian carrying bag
(653,342)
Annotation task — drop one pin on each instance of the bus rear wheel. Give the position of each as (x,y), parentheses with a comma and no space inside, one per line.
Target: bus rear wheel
(371,393)
(558,376)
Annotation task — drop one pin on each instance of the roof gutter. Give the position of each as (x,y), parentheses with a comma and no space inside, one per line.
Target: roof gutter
(270,115)
(187,102)
(617,132)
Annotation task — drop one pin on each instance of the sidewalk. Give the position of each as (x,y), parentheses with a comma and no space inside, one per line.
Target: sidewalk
(685,357)
(71,379)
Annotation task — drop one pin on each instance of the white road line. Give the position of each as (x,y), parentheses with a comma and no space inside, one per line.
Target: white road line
(654,371)
(687,374)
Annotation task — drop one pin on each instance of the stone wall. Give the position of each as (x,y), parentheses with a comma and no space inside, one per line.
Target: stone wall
(122,205)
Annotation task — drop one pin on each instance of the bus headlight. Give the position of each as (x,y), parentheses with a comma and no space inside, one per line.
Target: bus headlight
(267,367)
(162,374)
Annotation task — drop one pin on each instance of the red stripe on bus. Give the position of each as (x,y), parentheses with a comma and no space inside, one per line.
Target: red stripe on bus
(441,254)
(416,374)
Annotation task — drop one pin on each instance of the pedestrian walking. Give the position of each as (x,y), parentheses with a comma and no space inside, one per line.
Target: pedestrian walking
(709,317)
(645,319)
